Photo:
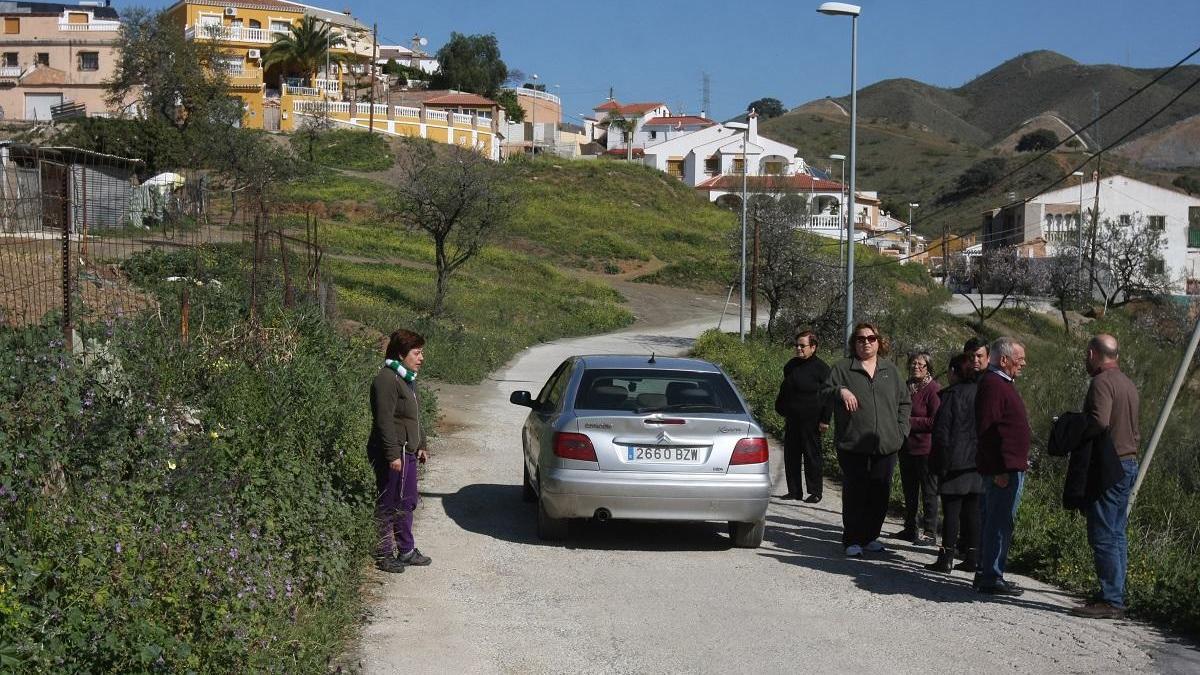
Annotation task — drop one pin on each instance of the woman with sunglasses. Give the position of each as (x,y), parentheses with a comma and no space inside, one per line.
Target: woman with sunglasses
(871,419)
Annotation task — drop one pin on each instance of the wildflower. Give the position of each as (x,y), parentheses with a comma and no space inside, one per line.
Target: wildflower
(212,434)
(233,553)
(118,547)
(171,465)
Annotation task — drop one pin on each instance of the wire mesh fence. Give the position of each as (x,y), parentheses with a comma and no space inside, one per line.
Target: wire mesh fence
(72,220)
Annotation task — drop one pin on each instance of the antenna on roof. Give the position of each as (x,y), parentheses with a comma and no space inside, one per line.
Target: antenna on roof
(651,358)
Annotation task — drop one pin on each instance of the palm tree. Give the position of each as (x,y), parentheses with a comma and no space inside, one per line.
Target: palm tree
(305,47)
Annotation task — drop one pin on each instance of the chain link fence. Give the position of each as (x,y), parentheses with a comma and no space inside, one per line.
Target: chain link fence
(71,220)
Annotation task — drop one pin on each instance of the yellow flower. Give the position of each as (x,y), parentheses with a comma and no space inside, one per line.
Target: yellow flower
(212,434)
(171,465)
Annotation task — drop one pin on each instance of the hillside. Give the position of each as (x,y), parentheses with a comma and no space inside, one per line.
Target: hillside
(996,103)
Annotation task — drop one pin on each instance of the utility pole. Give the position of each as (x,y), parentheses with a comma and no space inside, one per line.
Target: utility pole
(945,254)
(374,58)
(1095,229)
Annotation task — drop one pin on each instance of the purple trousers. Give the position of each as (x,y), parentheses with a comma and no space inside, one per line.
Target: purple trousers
(395,501)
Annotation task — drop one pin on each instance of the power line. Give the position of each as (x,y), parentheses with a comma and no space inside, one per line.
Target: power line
(1047,187)
(1000,181)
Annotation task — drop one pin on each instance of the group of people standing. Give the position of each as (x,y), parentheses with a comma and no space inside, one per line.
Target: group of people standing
(965,446)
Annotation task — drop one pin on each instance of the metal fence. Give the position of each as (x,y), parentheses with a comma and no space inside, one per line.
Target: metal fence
(70,220)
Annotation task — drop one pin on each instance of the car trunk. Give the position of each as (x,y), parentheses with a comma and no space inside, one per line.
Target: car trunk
(664,442)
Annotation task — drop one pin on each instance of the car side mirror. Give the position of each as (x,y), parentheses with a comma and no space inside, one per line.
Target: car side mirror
(522,398)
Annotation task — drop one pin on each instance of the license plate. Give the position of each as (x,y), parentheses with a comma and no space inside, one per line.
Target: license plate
(660,454)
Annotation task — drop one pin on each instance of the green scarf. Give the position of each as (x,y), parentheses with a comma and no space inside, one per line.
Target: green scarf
(400,370)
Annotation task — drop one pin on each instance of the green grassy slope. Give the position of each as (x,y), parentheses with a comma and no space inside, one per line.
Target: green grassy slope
(606,216)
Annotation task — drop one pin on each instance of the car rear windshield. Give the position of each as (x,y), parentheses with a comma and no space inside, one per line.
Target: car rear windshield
(645,391)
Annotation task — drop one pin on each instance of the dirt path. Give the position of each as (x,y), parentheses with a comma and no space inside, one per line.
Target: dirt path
(637,597)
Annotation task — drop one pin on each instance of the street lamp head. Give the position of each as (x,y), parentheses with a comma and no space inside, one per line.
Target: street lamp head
(840,158)
(839,9)
(914,205)
(740,126)
(534,76)
(1076,173)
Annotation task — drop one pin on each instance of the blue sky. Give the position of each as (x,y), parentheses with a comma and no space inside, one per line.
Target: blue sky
(652,50)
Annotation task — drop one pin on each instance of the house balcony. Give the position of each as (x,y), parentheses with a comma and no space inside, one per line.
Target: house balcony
(318,89)
(399,113)
(109,26)
(10,71)
(257,36)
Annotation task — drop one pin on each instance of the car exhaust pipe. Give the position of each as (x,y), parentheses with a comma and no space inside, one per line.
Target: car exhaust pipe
(603,515)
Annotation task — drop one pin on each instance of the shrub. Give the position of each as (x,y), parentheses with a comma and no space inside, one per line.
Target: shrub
(344,149)
(182,508)
(1041,139)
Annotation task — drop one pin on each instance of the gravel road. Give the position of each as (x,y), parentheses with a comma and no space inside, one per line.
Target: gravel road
(653,597)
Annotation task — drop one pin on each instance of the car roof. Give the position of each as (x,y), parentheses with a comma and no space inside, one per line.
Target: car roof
(642,362)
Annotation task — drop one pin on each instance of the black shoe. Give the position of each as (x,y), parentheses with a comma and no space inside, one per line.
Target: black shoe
(415,558)
(790,495)
(1000,587)
(906,534)
(812,499)
(942,564)
(969,560)
(390,565)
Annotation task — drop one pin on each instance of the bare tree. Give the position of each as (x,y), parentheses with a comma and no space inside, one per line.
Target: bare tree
(787,256)
(1129,261)
(1001,272)
(457,197)
(1062,279)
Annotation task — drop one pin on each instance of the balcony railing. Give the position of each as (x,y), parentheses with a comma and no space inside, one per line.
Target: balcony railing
(328,85)
(405,111)
(112,26)
(293,90)
(825,222)
(230,34)
(534,93)
(361,110)
(10,71)
(460,118)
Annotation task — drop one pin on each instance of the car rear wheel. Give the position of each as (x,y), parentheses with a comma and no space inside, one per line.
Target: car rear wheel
(747,535)
(550,528)
(528,495)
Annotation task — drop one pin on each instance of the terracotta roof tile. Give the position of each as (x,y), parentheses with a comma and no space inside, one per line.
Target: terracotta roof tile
(795,183)
(679,120)
(461,99)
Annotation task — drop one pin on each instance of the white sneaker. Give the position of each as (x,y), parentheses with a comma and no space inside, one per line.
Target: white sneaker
(854,550)
(875,547)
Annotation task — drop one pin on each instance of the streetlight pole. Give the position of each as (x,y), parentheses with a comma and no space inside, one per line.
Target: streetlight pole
(533,118)
(908,229)
(841,207)
(852,11)
(745,129)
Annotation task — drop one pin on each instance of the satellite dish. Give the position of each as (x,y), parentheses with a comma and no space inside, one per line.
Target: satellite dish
(423,41)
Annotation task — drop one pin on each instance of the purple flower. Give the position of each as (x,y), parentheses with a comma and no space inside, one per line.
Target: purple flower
(233,553)
(118,547)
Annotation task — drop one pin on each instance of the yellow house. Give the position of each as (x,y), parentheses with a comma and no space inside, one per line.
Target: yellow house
(276,100)
(245,29)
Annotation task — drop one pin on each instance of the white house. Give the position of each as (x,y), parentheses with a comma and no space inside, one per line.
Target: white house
(1053,218)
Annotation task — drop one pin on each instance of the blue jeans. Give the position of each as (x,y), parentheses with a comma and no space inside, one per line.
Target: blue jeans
(998,514)
(1106,521)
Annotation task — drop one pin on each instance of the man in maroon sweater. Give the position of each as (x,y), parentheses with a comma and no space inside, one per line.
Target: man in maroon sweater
(1002,425)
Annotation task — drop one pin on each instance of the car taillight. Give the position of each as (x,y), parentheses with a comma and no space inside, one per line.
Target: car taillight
(749,451)
(574,446)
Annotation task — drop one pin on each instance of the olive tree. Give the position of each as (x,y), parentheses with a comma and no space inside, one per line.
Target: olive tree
(454,195)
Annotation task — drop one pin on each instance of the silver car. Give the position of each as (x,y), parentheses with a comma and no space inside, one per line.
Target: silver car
(644,438)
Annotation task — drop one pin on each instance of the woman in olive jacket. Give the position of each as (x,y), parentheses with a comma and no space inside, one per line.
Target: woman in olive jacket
(396,445)
(871,420)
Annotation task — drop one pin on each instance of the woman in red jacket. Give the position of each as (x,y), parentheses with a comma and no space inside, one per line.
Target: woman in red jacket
(920,485)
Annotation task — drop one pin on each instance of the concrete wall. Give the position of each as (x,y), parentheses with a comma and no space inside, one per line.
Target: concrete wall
(63,75)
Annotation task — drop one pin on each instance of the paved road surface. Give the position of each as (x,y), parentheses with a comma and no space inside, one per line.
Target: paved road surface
(650,598)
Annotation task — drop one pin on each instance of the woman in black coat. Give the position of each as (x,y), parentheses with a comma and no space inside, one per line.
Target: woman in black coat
(953,460)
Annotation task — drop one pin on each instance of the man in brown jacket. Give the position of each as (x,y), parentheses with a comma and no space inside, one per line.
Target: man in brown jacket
(1112,407)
